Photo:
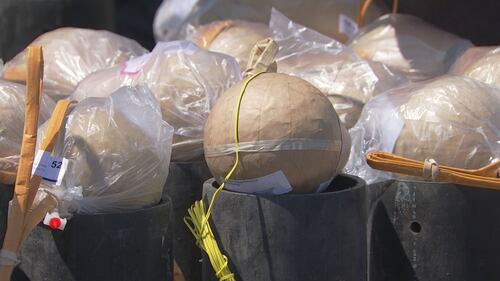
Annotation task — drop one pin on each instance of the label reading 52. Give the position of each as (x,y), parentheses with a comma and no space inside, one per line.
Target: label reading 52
(50,168)
(56,164)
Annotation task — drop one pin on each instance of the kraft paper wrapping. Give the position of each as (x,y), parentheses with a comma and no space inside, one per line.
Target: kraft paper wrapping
(278,107)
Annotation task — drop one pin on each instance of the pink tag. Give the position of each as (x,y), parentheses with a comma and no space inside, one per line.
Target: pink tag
(134,66)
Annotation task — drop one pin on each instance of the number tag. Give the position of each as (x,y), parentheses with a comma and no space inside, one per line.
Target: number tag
(347,26)
(49,167)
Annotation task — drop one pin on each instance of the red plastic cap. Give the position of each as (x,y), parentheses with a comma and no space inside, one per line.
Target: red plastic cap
(55,223)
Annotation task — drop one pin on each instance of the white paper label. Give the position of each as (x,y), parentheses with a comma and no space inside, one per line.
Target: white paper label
(135,65)
(347,26)
(275,183)
(49,167)
(54,221)
(322,187)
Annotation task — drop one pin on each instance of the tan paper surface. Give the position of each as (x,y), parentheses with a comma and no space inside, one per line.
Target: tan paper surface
(277,108)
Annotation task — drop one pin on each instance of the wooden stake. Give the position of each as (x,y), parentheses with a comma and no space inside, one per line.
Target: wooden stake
(19,205)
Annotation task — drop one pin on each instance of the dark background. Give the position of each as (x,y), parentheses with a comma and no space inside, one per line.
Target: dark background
(23,20)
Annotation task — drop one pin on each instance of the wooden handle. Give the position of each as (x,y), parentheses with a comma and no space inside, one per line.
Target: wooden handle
(23,217)
(486,177)
(19,206)
(36,214)
(33,86)
(52,130)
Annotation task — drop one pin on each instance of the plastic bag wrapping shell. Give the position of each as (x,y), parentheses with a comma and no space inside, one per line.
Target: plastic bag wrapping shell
(231,37)
(480,63)
(173,17)
(452,119)
(348,80)
(410,45)
(118,150)
(70,54)
(185,79)
(12,105)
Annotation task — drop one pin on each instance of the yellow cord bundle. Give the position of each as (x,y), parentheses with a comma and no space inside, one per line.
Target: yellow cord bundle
(197,219)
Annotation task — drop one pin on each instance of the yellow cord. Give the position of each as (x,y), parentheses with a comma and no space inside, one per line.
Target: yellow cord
(197,219)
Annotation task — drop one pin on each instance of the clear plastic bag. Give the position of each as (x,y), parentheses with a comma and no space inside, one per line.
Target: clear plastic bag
(185,79)
(452,119)
(175,17)
(330,66)
(70,54)
(12,105)
(118,150)
(410,45)
(480,63)
(231,37)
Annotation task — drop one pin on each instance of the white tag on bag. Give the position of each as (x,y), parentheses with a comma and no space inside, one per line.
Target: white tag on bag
(49,167)
(275,183)
(54,221)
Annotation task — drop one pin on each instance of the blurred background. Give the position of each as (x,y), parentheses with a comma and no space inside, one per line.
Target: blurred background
(21,21)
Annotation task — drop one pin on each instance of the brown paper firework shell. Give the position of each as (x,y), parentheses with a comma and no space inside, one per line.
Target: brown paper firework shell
(451,119)
(185,79)
(285,124)
(480,63)
(73,53)
(118,151)
(231,37)
(410,45)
